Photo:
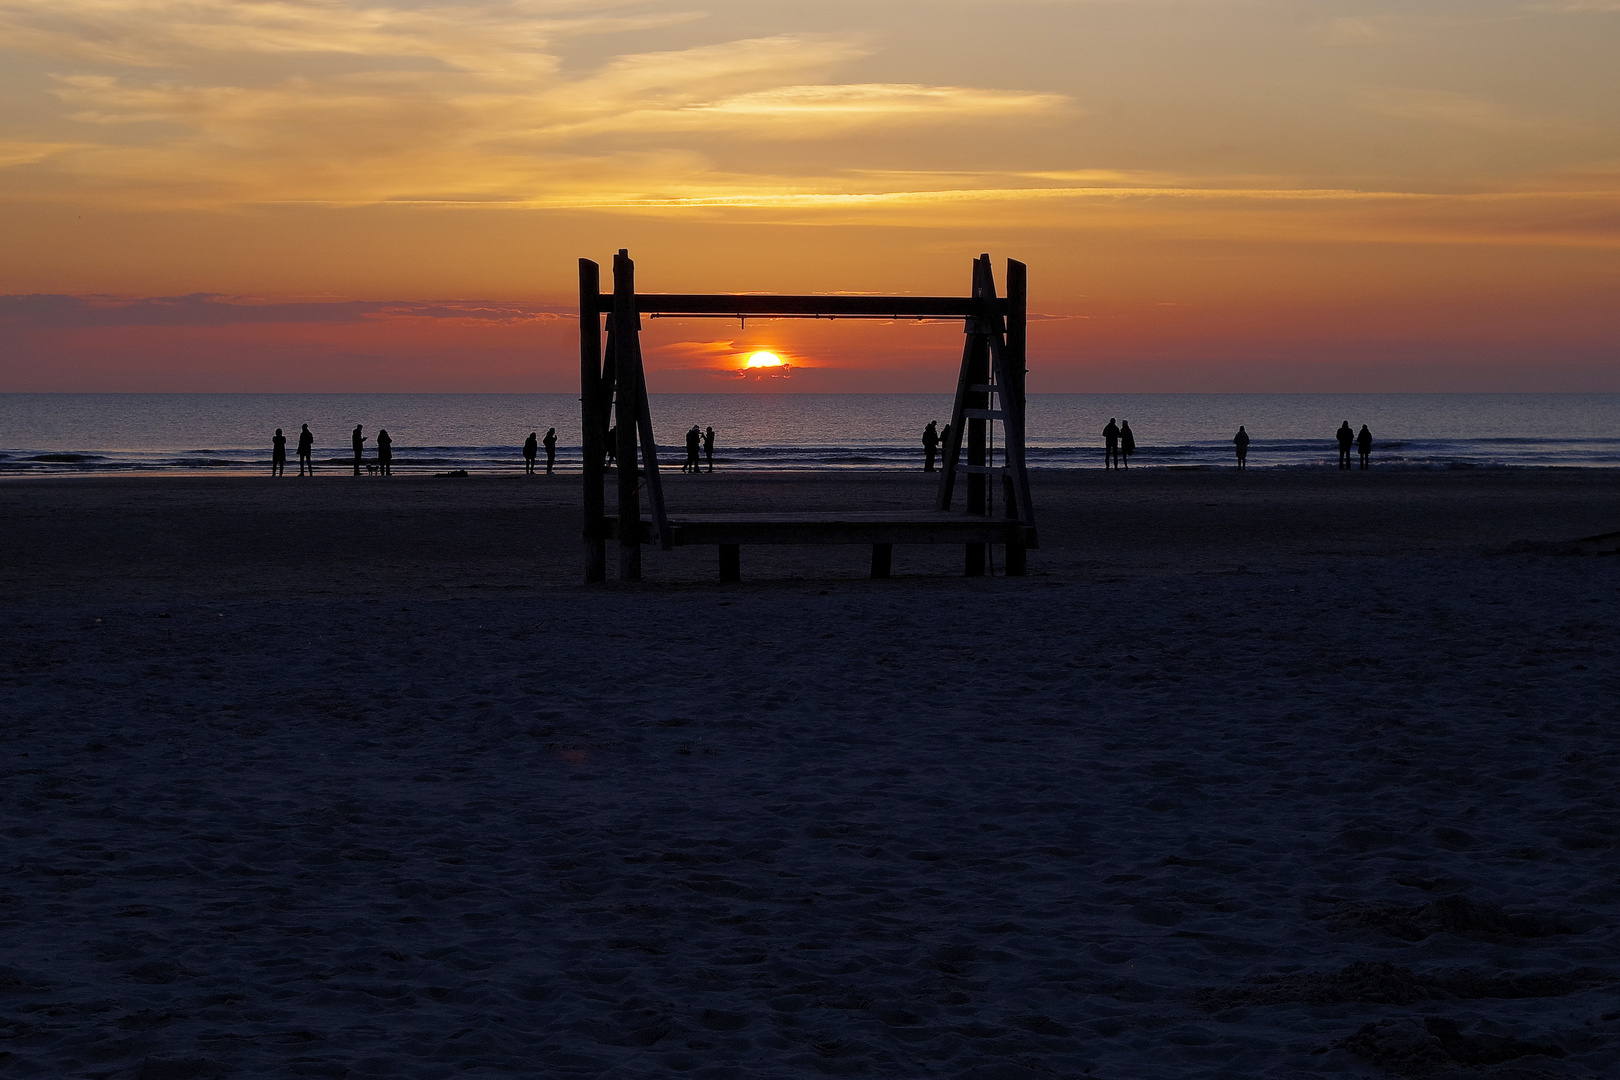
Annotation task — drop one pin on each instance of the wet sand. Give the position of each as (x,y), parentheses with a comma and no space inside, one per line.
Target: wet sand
(1271,775)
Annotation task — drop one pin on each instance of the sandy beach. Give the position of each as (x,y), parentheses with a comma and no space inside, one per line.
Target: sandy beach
(1281,774)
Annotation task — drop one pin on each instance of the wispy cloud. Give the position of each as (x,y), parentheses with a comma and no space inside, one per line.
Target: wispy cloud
(58,312)
(1445,107)
(217,102)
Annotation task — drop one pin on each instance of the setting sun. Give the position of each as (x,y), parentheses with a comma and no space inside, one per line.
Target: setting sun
(764,360)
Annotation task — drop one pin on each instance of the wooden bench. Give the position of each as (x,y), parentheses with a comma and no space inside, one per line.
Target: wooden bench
(881,529)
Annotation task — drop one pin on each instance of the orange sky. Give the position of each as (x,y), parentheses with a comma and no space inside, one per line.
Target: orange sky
(1211,194)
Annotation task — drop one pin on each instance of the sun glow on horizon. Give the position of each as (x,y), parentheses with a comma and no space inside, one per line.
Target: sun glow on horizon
(764,360)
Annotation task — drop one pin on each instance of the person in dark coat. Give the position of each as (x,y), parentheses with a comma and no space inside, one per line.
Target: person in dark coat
(930,445)
(708,447)
(385,453)
(1364,445)
(306,446)
(359,442)
(550,442)
(1127,443)
(1347,439)
(531,447)
(1241,441)
(944,444)
(278,454)
(1111,444)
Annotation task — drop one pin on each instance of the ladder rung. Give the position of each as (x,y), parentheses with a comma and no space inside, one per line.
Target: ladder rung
(990,470)
(984,414)
(983,388)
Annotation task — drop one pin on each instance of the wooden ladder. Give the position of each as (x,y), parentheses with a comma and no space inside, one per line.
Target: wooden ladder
(992,363)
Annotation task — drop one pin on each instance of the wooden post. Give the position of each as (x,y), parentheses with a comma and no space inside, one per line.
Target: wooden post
(1015,367)
(626,326)
(978,374)
(649,453)
(953,445)
(882,560)
(610,383)
(730,562)
(1017,558)
(591,392)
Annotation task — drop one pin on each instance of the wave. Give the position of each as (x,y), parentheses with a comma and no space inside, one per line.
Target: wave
(1416,454)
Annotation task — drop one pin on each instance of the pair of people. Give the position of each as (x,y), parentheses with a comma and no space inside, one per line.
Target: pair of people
(385,450)
(934,440)
(1119,443)
(698,441)
(1348,438)
(278,453)
(531,447)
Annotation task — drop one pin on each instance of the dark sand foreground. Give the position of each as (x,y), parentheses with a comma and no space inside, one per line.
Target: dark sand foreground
(1273,775)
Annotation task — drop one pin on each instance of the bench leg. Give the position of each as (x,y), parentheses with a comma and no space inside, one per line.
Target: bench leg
(730,562)
(975,560)
(882,559)
(1017,560)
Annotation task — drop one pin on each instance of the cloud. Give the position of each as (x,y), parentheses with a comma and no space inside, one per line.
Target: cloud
(59,312)
(236,102)
(1445,107)
(1576,7)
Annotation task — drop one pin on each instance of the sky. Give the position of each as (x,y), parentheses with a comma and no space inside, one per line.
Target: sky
(1211,195)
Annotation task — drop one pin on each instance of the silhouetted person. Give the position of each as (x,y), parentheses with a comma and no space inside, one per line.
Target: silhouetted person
(944,444)
(1347,439)
(359,441)
(1241,441)
(278,454)
(385,453)
(1364,445)
(306,446)
(694,439)
(551,449)
(531,447)
(1127,443)
(708,447)
(1111,445)
(613,444)
(930,445)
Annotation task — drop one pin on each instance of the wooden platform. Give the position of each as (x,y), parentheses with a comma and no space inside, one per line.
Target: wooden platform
(616,419)
(880,529)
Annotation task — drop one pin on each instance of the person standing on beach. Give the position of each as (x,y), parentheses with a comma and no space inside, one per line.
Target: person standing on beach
(1111,444)
(694,438)
(708,447)
(944,444)
(385,453)
(1127,443)
(359,441)
(278,454)
(1241,441)
(531,447)
(551,449)
(306,446)
(1364,445)
(930,445)
(1347,438)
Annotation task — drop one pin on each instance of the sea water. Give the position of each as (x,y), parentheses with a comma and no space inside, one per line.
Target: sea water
(43,434)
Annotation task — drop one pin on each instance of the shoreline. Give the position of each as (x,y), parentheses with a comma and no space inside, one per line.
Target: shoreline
(731,469)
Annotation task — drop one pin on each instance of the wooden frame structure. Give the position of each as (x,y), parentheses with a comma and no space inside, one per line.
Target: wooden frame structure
(613,396)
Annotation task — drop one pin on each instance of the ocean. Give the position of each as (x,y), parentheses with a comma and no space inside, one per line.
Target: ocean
(45,434)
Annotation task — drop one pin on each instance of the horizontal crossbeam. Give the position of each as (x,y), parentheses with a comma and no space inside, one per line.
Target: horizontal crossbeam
(853,528)
(740,304)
